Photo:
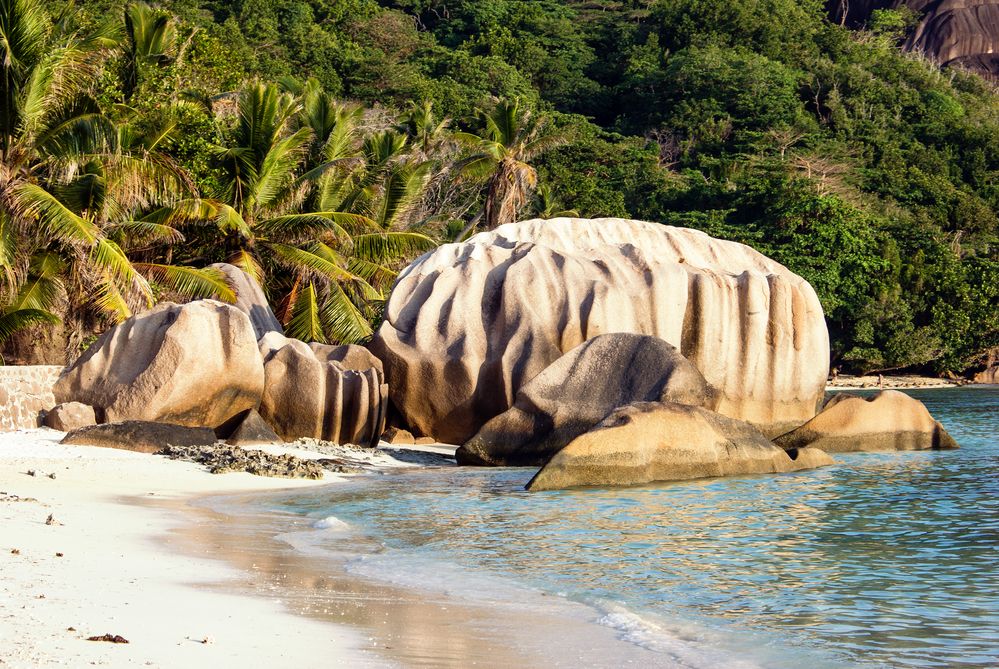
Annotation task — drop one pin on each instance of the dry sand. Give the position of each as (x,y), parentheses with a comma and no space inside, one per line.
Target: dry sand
(100,567)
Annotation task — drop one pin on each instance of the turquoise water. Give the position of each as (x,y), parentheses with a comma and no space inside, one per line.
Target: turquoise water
(888,559)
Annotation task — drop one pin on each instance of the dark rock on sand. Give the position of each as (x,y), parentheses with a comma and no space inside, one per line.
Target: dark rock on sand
(887,421)
(663,441)
(223,458)
(579,390)
(247,429)
(140,436)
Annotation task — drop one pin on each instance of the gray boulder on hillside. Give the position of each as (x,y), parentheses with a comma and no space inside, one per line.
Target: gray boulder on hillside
(195,364)
(663,441)
(578,391)
(336,393)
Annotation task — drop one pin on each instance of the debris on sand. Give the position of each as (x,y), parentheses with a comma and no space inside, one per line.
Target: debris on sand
(110,638)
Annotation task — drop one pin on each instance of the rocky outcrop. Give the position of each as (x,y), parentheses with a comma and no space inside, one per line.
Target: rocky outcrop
(335,393)
(578,391)
(195,364)
(140,436)
(70,416)
(25,394)
(664,441)
(887,421)
(250,299)
(952,32)
(247,429)
(989,375)
(470,324)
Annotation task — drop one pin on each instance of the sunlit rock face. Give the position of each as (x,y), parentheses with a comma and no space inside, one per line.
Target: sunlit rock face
(952,32)
(191,364)
(887,421)
(470,324)
(664,441)
(335,393)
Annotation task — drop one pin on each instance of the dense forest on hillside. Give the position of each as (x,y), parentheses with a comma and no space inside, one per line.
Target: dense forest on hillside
(321,144)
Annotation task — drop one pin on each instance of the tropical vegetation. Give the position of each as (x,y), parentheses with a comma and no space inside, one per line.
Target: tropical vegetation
(322,144)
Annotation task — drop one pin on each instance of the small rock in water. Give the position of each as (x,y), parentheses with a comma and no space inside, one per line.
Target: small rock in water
(52,476)
(51,520)
(58,554)
(110,638)
(15,551)
(30,472)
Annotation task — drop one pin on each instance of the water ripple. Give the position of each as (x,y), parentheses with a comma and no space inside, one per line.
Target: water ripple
(884,559)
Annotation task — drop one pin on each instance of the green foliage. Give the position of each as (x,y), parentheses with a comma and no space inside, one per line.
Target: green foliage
(147,137)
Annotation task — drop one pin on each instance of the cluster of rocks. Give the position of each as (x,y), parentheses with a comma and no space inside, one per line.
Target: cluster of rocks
(619,352)
(224,458)
(602,351)
(224,369)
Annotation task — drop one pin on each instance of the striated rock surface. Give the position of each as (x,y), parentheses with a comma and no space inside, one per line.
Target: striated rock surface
(887,421)
(335,393)
(70,416)
(663,441)
(195,364)
(468,325)
(578,391)
(140,436)
(250,299)
(952,32)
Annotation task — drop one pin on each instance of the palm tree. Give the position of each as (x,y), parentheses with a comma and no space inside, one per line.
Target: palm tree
(151,42)
(509,138)
(71,181)
(298,197)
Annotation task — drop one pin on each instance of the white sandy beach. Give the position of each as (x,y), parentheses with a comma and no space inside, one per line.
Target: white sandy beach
(102,568)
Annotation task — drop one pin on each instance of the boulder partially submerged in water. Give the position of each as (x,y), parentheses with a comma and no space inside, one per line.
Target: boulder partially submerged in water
(335,393)
(470,324)
(194,364)
(990,375)
(578,391)
(887,421)
(665,441)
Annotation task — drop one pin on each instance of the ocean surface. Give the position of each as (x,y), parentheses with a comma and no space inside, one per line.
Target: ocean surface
(887,559)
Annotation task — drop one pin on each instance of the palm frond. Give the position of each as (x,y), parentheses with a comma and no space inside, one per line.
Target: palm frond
(208,282)
(388,245)
(304,323)
(54,218)
(309,263)
(342,320)
(19,319)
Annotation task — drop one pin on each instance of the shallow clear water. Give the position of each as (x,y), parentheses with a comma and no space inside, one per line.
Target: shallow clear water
(888,559)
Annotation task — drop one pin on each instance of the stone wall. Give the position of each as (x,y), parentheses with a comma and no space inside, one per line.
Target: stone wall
(24,393)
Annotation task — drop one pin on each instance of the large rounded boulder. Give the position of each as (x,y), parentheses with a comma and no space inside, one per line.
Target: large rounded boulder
(194,364)
(578,391)
(663,441)
(886,421)
(335,393)
(468,325)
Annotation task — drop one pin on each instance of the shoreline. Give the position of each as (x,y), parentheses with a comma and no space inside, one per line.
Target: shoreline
(137,549)
(100,567)
(904,382)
